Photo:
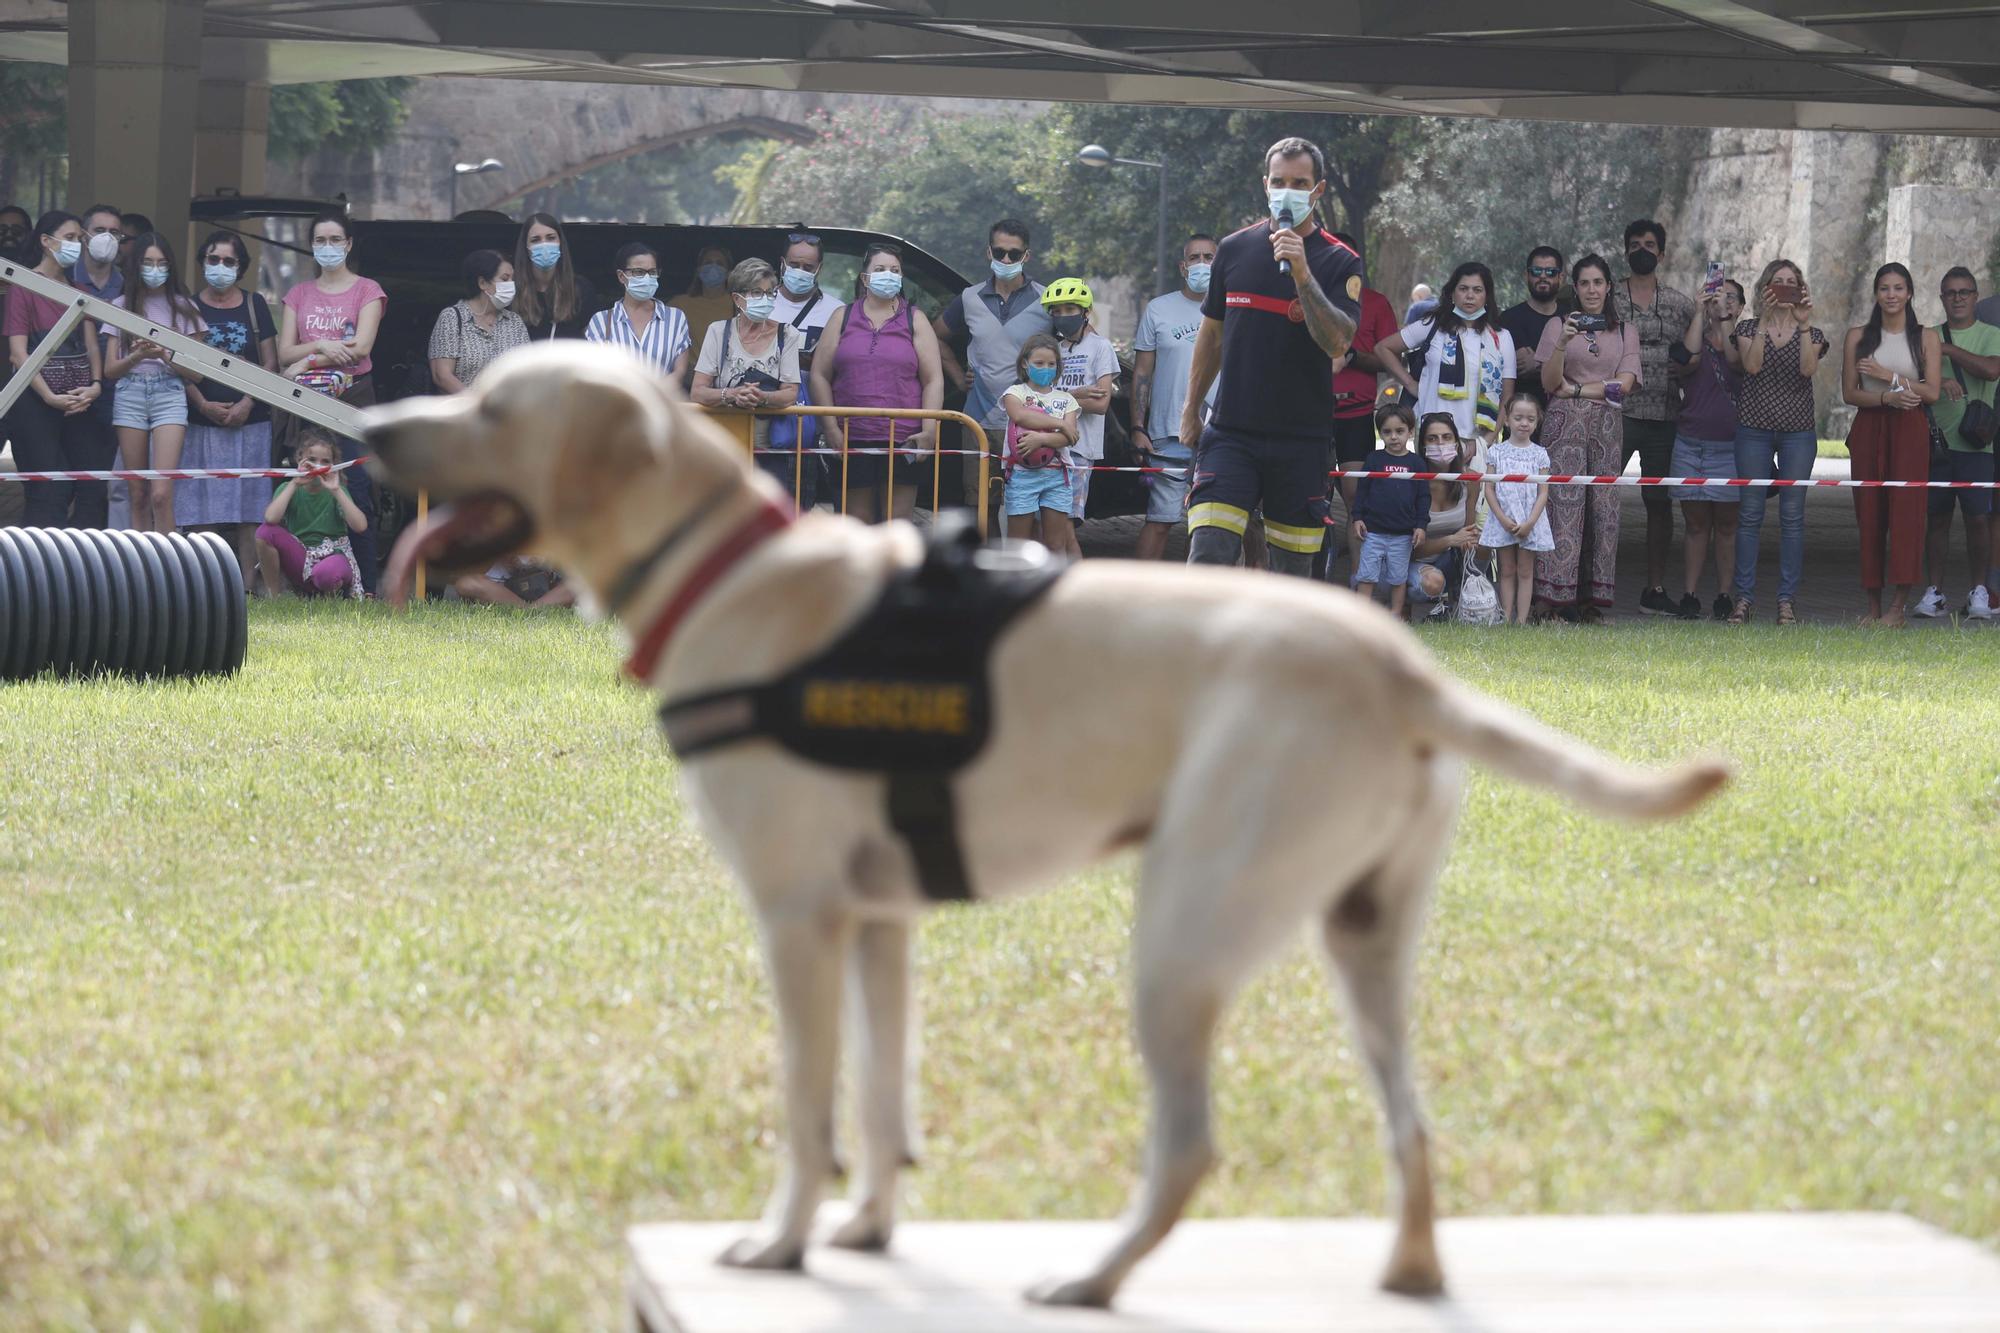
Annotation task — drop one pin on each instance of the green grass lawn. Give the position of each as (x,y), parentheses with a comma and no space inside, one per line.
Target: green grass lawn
(384,985)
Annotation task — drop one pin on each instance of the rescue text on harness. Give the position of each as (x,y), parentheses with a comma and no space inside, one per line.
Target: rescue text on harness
(905,691)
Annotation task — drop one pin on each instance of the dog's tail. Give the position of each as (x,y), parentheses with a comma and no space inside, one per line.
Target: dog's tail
(1462,721)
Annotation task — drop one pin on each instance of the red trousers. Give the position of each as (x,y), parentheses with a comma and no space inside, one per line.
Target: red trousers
(1888,444)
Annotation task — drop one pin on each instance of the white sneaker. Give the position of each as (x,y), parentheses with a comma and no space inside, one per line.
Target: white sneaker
(1930,605)
(1979,606)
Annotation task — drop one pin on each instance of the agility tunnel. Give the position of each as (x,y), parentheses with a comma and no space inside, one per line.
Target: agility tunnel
(79,602)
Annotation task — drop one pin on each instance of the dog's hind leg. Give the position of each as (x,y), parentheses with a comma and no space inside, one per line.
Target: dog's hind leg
(882,976)
(1370,933)
(805,949)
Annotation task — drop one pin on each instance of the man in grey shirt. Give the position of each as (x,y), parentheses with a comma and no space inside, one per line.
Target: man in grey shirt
(1162,354)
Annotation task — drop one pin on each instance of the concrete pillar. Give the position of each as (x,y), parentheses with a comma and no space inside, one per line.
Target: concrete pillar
(232,136)
(1833,233)
(1931,228)
(134,85)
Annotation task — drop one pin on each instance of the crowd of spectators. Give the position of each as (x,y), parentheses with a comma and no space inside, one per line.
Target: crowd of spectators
(1611,361)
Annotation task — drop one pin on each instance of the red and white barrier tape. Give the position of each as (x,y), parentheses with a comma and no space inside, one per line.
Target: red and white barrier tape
(1553,479)
(189,474)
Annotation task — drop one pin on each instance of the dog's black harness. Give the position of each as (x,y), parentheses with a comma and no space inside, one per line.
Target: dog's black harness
(905,691)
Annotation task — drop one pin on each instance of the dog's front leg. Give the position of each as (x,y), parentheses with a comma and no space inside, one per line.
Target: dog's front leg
(882,990)
(805,949)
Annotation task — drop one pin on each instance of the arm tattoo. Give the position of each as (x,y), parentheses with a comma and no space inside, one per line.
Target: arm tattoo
(1330,327)
(1142,398)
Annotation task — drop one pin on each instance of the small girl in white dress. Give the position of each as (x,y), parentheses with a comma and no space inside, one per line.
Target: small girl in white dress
(1517,520)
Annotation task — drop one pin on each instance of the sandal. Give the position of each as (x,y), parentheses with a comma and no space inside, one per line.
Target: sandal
(1786,615)
(1741,611)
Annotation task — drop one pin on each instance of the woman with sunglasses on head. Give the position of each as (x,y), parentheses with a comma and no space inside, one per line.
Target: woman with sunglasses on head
(227,428)
(750,360)
(51,425)
(553,299)
(879,352)
(1589,361)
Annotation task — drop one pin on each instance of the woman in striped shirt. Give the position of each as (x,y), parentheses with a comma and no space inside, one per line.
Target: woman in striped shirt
(650,327)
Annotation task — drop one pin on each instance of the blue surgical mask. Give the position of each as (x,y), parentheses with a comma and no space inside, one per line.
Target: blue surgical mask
(1006,271)
(798,282)
(1197,277)
(154,275)
(219,276)
(1043,376)
(329,256)
(1296,202)
(711,275)
(1471,316)
(885,283)
(643,286)
(759,307)
(545,254)
(68,252)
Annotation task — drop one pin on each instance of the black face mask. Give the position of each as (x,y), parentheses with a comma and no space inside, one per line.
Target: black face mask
(1642,262)
(1067,327)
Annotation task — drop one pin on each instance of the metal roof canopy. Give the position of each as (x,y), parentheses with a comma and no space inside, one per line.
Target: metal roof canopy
(1781,64)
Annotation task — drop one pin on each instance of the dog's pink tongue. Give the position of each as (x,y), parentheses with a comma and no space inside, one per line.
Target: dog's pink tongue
(419,542)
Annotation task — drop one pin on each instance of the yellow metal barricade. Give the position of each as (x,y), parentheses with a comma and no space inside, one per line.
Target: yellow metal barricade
(741,424)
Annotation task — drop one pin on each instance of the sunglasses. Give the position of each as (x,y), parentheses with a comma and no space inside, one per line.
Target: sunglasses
(222,261)
(1007,256)
(1537,271)
(795,237)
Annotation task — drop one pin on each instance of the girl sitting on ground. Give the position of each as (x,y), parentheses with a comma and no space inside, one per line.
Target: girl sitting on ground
(305,531)
(1041,428)
(1517,520)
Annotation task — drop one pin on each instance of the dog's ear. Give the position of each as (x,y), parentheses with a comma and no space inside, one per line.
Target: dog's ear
(610,434)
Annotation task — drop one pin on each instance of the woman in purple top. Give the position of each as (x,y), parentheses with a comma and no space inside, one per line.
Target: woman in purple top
(1705,444)
(874,353)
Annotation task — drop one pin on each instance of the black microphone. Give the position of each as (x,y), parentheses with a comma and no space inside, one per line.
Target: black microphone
(1285,221)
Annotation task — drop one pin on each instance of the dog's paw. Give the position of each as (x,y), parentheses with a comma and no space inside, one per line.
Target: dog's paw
(864,1231)
(1415,1272)
(778,1255)
(1089,1292)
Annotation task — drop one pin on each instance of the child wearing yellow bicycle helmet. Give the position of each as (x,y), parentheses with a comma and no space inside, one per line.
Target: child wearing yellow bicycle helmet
(1089,374)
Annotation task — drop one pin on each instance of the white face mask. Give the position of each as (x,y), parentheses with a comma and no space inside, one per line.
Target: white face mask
(503,294)
(104,247)
(1441,454)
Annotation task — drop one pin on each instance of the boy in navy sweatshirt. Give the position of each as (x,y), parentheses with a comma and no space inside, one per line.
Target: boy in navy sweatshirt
(1389,517)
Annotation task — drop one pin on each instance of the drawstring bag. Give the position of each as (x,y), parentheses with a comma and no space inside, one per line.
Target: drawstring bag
(1478,603)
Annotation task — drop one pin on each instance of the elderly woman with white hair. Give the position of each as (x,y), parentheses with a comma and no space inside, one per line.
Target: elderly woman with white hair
(751,360)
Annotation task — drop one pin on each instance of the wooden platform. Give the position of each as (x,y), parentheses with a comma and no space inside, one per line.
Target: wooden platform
(1858,1272)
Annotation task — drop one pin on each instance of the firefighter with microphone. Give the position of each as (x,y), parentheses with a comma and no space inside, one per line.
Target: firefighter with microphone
(1277,323)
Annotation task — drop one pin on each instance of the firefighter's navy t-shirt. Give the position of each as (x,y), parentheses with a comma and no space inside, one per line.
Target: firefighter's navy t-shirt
(1275,379)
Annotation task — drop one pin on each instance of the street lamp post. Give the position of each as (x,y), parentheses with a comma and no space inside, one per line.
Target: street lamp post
(470,169)
(1097,155)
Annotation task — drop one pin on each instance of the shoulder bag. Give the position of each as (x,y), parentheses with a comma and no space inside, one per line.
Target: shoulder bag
(1980,423)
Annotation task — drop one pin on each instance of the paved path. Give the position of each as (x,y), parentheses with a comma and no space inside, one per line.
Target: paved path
(1830,592)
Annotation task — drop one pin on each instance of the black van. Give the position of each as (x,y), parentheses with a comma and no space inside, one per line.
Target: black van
(417,264)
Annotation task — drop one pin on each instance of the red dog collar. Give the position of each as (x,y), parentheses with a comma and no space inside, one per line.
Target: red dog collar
(769,520)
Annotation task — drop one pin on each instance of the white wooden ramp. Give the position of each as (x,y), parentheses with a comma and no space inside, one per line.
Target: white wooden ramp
(1719,1273)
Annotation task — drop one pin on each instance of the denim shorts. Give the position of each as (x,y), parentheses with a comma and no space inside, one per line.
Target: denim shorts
(1166,492)
(1962,465)
(145,401)
(1033,489)
(1705,458)
(1385,558)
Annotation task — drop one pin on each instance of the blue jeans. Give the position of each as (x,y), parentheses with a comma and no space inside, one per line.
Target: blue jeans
(1758,452)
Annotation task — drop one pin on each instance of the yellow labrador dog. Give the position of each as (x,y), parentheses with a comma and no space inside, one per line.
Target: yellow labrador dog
(1221,693)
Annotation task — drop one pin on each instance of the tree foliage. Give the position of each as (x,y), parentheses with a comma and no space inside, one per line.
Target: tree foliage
(1214,161)
(938,180)
(1492,190)
(354,115)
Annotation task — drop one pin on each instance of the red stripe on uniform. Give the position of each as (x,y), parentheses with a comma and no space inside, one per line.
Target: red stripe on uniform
(1273,304)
